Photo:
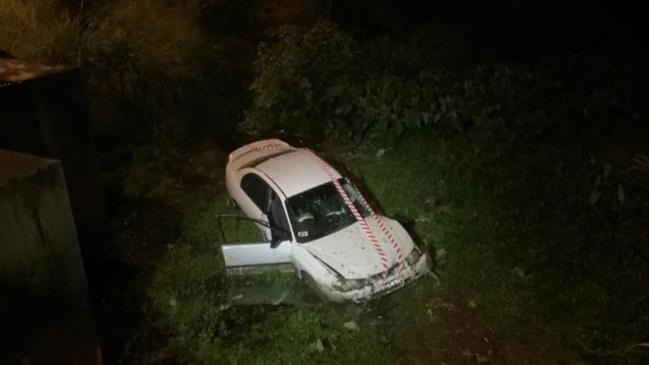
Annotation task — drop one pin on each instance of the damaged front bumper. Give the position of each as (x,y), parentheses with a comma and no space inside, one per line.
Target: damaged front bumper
(378,286)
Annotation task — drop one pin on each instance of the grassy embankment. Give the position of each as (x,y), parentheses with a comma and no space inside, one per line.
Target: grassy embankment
(502,219)
(521,181)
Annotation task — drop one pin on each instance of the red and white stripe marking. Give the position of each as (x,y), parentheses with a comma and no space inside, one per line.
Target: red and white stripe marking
(386,232)
(362,222)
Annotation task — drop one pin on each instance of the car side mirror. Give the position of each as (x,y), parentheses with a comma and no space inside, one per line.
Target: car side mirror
(278,236)
(275,243)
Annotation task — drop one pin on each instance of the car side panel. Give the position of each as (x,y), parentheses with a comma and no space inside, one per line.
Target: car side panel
(251,254)
(305,262)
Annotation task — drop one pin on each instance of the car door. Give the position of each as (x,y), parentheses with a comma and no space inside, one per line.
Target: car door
(244,247)
(264,209)
(258,193)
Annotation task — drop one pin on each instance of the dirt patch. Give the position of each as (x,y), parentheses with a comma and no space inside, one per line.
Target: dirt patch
(452,334)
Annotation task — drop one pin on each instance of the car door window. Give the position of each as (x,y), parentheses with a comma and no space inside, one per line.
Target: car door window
(257,190)
(239,230)
(277,216)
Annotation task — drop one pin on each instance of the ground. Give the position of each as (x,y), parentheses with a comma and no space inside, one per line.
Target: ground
(490,302)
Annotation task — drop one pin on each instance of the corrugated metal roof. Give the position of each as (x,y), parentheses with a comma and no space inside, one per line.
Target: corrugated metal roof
(17,70)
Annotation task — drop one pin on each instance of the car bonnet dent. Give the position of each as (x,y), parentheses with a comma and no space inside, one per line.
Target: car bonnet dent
(378,285)
(350,253)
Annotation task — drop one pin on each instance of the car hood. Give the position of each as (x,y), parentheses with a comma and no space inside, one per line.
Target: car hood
(350,252)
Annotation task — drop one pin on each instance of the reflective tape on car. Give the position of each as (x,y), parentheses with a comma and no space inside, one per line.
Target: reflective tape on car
(386,232)
(362,222)
(350,205)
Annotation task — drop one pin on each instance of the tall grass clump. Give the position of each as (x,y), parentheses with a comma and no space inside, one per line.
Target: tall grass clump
(322,81)
(38,29)
(188,293)
(146,57)
(141,61)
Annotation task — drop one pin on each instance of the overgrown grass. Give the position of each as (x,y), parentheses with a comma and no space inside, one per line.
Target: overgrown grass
(532,221)
(35,29)
(190,298)
(149,66)
(496,213)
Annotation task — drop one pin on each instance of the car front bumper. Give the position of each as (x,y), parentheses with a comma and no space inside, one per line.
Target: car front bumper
(377,288)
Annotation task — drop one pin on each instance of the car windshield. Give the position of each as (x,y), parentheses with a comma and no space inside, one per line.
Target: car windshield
(321,211)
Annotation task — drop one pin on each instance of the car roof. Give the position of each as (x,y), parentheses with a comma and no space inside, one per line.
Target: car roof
(297,171)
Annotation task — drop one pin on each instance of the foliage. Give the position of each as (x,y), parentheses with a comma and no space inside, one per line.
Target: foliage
(148,56)
(37,29)
(188,297)
(141,60)
(320,81)
(187,290)
(506,227)
(293,75)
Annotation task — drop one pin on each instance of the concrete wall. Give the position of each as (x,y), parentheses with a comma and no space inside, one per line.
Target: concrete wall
(47,115)
(39,249)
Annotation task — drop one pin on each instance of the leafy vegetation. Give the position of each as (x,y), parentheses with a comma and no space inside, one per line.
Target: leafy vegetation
(530,208)
(528,182)
(321,81)
(37,29)
(149,66)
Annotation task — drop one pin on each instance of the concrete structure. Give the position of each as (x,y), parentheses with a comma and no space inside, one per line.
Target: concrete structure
(39,249)
(43,111)
(43,292)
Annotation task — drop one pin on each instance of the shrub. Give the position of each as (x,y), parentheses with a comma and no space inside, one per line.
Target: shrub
(142,61)
(147,56)
(38,29)
(320,81)
(294,76)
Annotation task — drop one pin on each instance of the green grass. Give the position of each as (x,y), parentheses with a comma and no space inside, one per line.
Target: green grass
(505,208)
(489,211)
(36,29)
(485,209)
(146,65)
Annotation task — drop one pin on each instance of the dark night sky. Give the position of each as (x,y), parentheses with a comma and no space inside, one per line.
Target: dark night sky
(511,25)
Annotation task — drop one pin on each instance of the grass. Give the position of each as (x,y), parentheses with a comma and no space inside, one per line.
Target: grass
(148,66)
(35,29)
(491,212)
(535,226)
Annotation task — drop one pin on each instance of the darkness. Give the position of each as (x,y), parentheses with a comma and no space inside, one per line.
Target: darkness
(511,135)
(516,28)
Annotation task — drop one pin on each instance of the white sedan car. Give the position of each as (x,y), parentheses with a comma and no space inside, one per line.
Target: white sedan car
(317,221)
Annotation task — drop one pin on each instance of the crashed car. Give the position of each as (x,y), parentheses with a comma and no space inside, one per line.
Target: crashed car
(318,222)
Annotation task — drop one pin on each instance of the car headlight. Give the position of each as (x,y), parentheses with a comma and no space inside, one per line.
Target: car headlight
(343,284)
(353,284)
(346,284)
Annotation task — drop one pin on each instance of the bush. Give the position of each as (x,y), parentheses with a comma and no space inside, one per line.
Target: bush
(146,54)
(38,29)
(320,81)
(147,64)
(294,76)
